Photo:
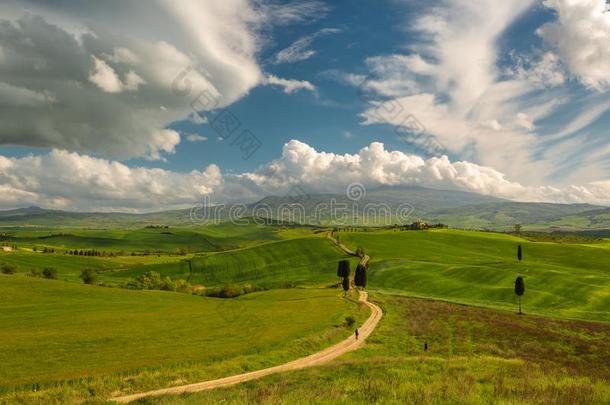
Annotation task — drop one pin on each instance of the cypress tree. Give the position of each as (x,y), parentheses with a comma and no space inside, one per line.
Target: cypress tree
(519,290)
(345,285)
(360,276)
(343,269)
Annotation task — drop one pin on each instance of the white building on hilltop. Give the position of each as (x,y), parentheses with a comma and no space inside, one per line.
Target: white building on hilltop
(7,249)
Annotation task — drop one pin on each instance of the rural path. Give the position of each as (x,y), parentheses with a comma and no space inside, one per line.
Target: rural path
(315,359)
(364,259)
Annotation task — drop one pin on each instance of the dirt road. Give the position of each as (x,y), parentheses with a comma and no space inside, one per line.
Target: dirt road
(315,359)
(364,260)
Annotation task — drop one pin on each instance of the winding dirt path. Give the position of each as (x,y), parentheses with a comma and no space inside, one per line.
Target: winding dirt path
(364,259)
(315,359)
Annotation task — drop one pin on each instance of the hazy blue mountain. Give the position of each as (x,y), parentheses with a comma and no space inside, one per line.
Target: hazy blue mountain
(380,206)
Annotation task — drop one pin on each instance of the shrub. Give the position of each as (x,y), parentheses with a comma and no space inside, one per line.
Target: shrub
(34,273)
(349,321)
(183,286)
(168,285)
(89,276)
(50,273)
(8,268)
(227,291)
(151,280)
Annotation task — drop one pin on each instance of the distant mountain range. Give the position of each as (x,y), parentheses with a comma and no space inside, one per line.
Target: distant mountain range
(380,206)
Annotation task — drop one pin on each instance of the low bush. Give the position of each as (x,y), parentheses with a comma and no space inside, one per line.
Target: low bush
(152,281)
(89,276)
(50,273)
(34,273)
(232,290)
(8,268)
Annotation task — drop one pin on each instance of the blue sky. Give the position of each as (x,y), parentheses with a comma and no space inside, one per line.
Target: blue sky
(512,96)
(328,119)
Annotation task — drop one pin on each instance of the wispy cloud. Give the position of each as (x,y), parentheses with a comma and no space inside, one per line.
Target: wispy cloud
(301,49)
(289,86)
(294,12)
(196,138)
(452,82)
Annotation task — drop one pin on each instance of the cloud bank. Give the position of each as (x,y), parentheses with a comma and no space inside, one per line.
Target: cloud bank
(68,180)
(111,78)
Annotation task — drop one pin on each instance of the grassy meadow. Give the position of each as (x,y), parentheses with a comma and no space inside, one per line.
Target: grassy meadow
(78,341)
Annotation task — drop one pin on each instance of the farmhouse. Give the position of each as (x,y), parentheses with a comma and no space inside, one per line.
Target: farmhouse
(7,249)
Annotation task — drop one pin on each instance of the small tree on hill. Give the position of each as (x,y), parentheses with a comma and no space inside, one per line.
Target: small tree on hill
(360,276)
(345,285)
(519,290)
(50,273)
(519,253)
(8,268)
(89,276)
(518,228)
(343,269)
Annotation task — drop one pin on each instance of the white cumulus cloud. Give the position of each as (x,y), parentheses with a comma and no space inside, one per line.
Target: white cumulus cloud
(69,180)
(581,34)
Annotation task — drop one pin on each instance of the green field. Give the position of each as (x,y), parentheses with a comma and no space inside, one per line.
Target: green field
(478,268)
(309,260)
(56,331)
(201,239)
(63,342)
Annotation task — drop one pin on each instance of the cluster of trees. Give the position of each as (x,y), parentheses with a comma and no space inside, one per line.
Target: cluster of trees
(343,272)
(232,290)
(48,273)
(148,252)
(91,252)
(156,227)
(419,226)
(152,280)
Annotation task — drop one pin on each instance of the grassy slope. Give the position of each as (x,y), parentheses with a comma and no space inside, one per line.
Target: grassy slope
(53,331)
(204,239)
(475,356)
(310,260)
(571,281)
(225,236)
